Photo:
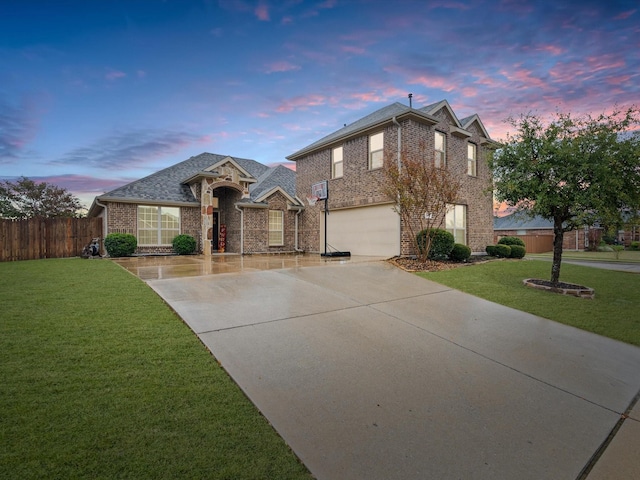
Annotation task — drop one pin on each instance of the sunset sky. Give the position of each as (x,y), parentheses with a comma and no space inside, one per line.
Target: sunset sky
(97,93)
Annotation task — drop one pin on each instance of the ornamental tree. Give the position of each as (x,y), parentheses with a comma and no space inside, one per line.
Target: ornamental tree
(25,198)
(574,171)
(422,192)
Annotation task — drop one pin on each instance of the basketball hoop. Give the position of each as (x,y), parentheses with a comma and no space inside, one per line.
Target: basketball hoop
(312,200)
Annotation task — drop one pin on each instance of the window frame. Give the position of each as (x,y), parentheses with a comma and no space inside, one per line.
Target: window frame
(378,150)
(335,164)
(451,224)
(472,162)
(440,156)
(159,225)
(274,228)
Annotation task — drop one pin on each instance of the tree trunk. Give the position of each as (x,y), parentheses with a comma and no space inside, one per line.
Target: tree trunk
(558,236)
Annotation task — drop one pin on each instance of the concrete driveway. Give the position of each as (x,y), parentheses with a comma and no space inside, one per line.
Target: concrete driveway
(369,372)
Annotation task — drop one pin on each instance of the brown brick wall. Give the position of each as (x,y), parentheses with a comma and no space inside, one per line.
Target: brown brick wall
(123,218)
(256,230)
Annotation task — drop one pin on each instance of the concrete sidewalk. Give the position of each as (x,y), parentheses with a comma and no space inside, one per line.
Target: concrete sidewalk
(369,372)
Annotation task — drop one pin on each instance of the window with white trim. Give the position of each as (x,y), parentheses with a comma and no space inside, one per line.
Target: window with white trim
(456,222)
(472,159)
(440,150)
(336,162)
(158,226)
(276,228)
(376,147)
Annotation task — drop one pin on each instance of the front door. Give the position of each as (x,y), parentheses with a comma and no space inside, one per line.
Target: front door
(216,231)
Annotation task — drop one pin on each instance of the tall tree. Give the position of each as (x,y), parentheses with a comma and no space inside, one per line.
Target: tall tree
(422,192)
(572,171)
(25,198)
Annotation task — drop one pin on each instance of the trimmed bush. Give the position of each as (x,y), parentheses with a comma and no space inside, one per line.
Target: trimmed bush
(120,244)
(517,251)
(460,253)
(511,241)
(634,246)
(441,243)
(491,250)
(503,251)
(184,244)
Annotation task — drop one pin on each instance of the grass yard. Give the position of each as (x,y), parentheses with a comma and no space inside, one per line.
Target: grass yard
(101,380)
(625,256)
(614,313)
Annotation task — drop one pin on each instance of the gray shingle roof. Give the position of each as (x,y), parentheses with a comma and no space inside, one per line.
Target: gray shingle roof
(379,116)
(165,185)
(279,176)
(521,221)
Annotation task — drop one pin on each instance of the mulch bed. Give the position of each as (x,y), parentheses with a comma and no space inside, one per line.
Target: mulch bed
(410,264)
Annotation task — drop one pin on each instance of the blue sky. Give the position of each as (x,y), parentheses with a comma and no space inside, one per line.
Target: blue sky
(97,93)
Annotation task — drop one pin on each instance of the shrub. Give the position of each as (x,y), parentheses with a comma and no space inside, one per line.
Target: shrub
(517,251)
(634,246)
(184,244)
(511,241)
(441,243)
(120,244)
(503,251)
(460,253)
(491,250)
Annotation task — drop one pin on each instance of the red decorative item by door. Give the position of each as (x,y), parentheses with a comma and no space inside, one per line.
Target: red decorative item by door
(222,240)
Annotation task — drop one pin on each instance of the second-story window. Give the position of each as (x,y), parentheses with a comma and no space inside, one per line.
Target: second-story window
(376,146)
(472,159)
(336,162)
(441,152)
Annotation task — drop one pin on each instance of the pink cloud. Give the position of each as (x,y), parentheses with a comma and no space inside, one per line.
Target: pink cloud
(289,165)
(301,103)
(552,49)
(525,77)
(353,49)
(262,12)
(624,15)
(440,83)
(112,75)
(282,66)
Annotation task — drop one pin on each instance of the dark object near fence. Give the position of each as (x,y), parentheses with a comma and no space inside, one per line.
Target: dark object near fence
(92,250)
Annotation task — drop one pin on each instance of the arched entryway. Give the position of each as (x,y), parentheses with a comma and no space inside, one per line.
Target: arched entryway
(222,221)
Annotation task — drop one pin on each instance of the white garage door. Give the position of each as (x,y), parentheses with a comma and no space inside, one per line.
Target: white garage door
(363,231)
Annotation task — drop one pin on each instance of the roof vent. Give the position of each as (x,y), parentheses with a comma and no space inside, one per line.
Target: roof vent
(410,97)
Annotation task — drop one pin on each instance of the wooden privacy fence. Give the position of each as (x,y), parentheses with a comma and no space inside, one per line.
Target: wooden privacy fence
(35,238)
(534,243)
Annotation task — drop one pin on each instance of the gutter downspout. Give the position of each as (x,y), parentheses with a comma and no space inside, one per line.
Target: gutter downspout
(395,122)
(241,228)
(295,246)
(105,223)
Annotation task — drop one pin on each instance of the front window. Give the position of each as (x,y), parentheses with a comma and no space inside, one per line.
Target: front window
(441,152)
(376,144)
(472,162)
(276,228)
(336,162)
(158,225)
(456,222)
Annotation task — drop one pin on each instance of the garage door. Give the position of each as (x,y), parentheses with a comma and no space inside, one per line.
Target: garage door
(363,231)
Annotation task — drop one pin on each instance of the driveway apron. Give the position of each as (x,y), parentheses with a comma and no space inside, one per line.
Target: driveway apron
(369,372)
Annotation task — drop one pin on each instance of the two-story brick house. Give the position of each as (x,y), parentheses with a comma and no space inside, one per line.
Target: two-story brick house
(361,218)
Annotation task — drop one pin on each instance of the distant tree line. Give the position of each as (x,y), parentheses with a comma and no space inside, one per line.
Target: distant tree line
(26,198)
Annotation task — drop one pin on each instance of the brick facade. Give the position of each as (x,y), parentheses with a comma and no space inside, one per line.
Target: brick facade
(360,186)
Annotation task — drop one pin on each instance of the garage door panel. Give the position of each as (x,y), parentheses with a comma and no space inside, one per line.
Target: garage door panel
(363,231)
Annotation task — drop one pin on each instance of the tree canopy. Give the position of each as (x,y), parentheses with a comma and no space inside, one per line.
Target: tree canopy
(25,198)
(575,171)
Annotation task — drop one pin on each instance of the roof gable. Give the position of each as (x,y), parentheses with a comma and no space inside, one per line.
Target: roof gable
(168,185)
(443,107)
(279,177)
(474,120)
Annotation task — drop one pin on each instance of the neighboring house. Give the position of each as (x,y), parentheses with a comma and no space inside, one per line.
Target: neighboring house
(361,218)
(537,233)
(227,204)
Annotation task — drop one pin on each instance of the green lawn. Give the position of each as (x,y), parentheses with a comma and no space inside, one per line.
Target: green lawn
(100,379)
(615,312)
